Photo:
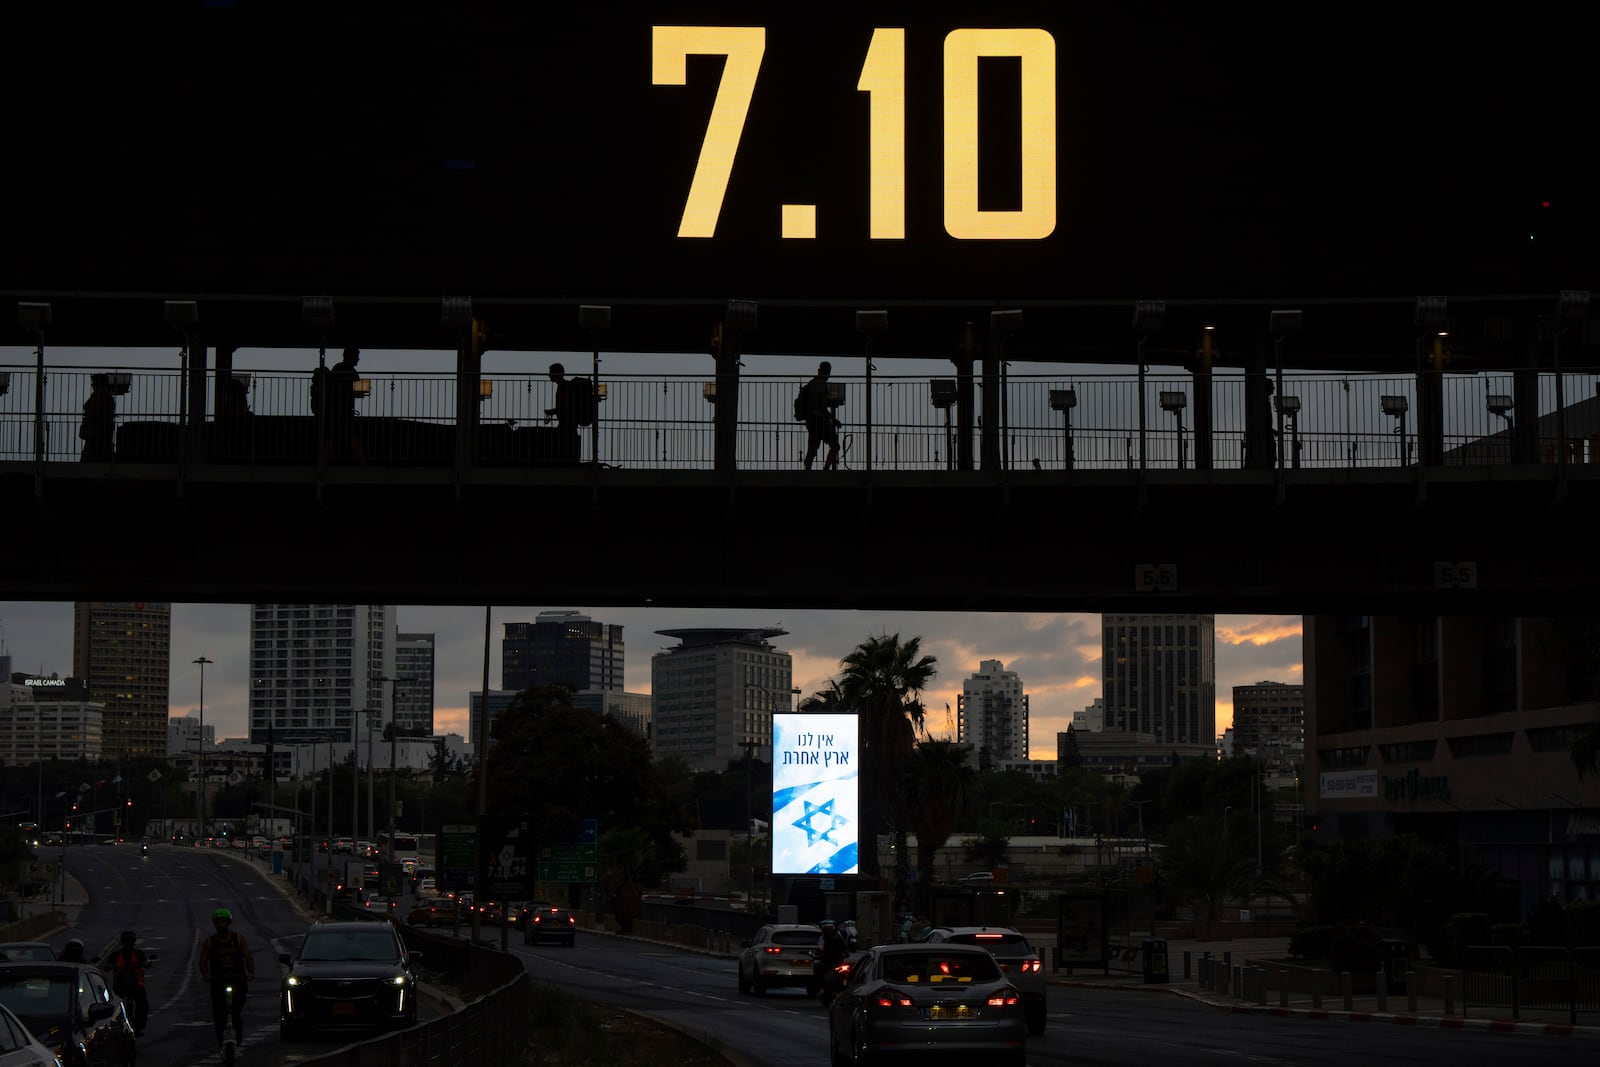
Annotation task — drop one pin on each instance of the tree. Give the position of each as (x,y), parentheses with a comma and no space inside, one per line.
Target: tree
(941,782)
(560,765)
(883,681)
(1203,865)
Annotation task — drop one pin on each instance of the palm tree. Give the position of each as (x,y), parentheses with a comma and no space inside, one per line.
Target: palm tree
(941,782)
(883,681)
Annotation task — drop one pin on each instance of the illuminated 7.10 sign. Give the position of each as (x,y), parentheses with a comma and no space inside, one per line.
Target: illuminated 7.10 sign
(883,77)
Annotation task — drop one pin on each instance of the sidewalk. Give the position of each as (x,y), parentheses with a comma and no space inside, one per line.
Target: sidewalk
(1396,1009)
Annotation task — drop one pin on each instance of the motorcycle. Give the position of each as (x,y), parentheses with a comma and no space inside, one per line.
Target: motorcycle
(828,982)
(144,848)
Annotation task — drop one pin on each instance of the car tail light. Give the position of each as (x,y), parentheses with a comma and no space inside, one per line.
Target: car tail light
(1006,998)
(892,998)
(773,950)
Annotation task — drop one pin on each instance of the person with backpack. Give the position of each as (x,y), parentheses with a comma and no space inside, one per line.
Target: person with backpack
(815,408)
(128,965)
(575,407)
(225,961)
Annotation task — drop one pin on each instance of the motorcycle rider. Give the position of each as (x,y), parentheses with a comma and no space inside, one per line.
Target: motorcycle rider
(831,952)
(127,979)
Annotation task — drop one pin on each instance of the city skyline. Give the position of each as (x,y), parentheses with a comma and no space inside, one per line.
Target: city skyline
(1056,655)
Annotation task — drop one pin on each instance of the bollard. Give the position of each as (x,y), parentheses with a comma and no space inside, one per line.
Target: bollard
(1223,974)
(1344,987)
(1316,991)
(1283,988)
(1411,991)
(1449,994)
(1237,984)
(1381,984)
(1261,985)
(1185,965)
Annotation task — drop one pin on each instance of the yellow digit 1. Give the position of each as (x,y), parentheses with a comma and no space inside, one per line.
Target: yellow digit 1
(884,76)
(1037,216)
(743,45)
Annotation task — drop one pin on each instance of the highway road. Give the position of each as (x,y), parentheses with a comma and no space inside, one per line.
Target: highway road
(167,897)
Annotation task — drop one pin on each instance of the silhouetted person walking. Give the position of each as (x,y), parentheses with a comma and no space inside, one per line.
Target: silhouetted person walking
(98,430)
(233,421)
(340,442)
(822,427)
(565,413)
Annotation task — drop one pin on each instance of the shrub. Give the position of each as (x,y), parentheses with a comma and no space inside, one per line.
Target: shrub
(1509,935)
(1583,924)
(1310,942)
(1353,947)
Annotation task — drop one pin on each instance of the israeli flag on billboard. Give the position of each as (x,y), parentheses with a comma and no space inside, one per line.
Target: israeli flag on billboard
(816,819)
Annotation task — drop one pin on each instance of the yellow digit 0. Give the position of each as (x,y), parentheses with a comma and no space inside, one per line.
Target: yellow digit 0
(883,75)
(1037,216)
(670,47)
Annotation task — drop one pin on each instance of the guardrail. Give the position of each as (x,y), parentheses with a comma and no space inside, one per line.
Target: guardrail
(1531,978)
(893,423)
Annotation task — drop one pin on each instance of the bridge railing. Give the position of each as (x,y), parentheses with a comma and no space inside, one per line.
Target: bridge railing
(667,422)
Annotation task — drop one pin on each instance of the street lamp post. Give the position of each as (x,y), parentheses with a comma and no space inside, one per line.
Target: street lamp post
(394,731)
(749,821)
(200,756)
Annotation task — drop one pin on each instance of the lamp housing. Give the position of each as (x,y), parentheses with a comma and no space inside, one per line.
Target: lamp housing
(1063,399)
(1394,404)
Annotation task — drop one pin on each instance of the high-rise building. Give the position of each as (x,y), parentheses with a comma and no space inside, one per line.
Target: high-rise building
(715,692)
(1269,722)
(123,653)
(413,671)
(48,719)
(1159,676)
(561,647)
(992,715)
(315,667)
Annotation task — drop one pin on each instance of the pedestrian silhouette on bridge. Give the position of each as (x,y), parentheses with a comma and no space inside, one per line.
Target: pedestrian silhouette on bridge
(99,428)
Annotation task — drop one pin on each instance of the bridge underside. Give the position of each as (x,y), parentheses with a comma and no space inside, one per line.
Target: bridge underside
(1367,542)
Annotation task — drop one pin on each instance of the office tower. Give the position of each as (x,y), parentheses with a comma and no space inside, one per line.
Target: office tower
(992,715)
(315,667)
(1159,676)
(715,692)
(561,647)
(1269,722)
(123,652)
(48,719)
(413,671)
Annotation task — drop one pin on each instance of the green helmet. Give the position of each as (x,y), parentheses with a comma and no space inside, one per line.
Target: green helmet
(222,914)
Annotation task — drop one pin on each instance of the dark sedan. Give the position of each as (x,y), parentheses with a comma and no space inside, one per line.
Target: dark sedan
(908,1001)
(348,974)
(71,1010)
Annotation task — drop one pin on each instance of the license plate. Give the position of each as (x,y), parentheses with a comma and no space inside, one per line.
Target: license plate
(950,1011)
(344,1009)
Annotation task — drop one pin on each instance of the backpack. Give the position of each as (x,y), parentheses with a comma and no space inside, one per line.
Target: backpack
(583,402)
(802,403)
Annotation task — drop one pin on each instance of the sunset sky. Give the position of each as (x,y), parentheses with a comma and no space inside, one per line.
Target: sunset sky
(1057,656)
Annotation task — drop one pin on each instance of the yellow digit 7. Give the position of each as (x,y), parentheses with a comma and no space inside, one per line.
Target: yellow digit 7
(670,47)
(1037,216)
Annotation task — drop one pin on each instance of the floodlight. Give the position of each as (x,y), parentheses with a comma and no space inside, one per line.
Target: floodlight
(1289,405)
(181,313)
(1149,316)
(32,315)
(1284,323)
(872,323)
(596,318)
(1063,399)
(942,391)
(709,391)
(119,382)
(455,313)
(1432,314)
(362,388)
(1173,401)
(1500,403)
(316,313)
(1394,405)
(742,314)
(485,389)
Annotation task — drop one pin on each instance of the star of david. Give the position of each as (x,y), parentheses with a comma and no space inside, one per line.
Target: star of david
(813,835)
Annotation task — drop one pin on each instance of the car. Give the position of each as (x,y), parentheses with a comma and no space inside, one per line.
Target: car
(1018,960)
(25,951)
(979,876)
(19,1048)
(348,973)
(427,887)
(54,839)
(69,1008)
(779,954)
(430,915)
(547,922)
(343,845)
(911,1001)
(381,905)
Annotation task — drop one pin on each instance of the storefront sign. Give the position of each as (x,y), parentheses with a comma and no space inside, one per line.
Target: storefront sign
(1414,786)
(1349,785)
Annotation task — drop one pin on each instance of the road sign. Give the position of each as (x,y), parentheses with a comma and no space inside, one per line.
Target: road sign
(588,831)
(235,777)
(566,872)
(579,853)
(154,776)
(458,856)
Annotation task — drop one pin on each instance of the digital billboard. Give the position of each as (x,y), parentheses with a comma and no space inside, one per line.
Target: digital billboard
(816,786)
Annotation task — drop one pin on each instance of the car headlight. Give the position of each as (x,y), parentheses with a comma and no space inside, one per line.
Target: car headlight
(398,979)
(291,981)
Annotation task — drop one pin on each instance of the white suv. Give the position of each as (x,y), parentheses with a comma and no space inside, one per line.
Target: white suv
(1016,957)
